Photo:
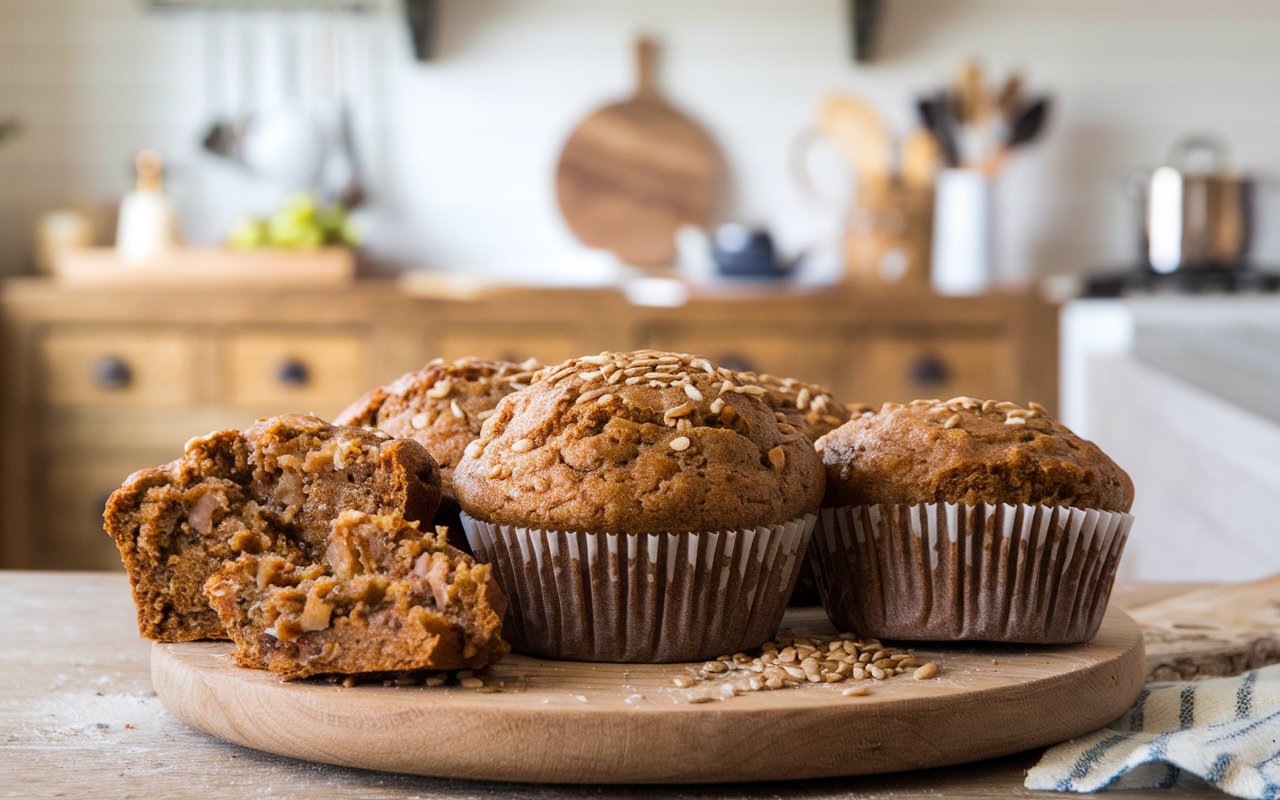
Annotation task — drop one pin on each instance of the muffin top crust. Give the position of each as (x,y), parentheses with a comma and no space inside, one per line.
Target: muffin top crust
(968,451)
(441,406)
(639,442)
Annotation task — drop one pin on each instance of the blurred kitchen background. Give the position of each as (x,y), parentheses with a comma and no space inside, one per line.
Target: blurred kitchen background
(211,211)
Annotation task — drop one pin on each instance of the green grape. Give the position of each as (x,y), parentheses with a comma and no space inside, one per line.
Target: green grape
(247,234)
(348,233)
(300,208)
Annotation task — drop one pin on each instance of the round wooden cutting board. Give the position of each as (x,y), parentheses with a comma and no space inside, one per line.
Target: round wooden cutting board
(570,722)
(633,172)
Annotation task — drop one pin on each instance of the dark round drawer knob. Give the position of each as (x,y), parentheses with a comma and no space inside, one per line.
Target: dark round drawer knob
(111,373)
(292,372)
(928,371)
(736,362)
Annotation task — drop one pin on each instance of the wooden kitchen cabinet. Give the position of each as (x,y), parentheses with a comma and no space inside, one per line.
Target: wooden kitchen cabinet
(101,382)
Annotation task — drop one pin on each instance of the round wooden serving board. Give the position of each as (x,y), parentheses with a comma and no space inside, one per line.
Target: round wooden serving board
(632,173)
(571,722)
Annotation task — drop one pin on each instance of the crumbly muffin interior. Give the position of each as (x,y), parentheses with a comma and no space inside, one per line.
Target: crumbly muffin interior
(273,488)
(385,597)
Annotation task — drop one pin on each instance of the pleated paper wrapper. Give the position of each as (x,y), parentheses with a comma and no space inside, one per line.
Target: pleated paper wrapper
(944,572)
(641,597)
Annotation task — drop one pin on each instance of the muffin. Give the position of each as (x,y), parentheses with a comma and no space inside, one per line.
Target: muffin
(967,519)
(813,411)
(807,406)
(442,407)
(273,488)
(643,506)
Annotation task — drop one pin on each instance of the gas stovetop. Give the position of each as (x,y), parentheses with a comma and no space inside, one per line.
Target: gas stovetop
(1140,281)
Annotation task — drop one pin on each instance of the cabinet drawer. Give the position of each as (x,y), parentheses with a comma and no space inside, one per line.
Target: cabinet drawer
(71,497)
(767,347)
(279,372)
(548,344)
(899,369)
(111,367)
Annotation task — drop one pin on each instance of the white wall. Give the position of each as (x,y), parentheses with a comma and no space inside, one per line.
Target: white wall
(463,149)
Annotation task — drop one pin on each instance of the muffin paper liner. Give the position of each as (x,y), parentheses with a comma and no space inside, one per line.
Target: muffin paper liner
(641,597)
(940,572)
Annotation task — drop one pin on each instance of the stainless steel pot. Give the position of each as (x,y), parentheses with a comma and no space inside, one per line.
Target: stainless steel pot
(1197,212)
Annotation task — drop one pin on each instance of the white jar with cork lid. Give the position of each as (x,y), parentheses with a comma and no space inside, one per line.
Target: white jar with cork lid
(148,226)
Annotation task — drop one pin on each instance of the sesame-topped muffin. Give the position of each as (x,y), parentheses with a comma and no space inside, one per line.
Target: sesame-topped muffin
(968,519)
(442,406)
(968,451)
(639,443)
(644,506)
(807,406)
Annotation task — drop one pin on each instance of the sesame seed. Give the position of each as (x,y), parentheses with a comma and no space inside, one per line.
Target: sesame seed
(952,421)
(1015,421)
(1039,409)
(679,443)
(692,392)
(605,398)
(679,411)
(471,683)
(522,445)
(988,405)
(717,405)
(456,409)
(440,389)
(802,398)
(474,450)
(419,420)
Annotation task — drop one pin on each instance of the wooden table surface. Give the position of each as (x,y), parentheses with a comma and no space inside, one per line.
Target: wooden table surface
(78,718)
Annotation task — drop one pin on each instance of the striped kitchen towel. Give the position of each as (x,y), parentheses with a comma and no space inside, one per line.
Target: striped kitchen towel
(1225,731)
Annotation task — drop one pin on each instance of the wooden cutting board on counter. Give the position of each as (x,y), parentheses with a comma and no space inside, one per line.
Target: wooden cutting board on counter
(632,173)
(572,722)
(1213,632)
